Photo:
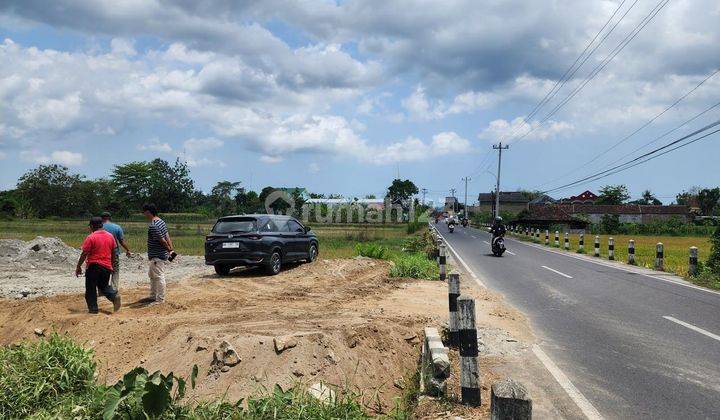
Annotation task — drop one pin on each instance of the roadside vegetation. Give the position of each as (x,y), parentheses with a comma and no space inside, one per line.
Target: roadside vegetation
(415,258)
(56,378)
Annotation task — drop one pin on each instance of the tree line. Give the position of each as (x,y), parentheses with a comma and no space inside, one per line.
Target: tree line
(54,191)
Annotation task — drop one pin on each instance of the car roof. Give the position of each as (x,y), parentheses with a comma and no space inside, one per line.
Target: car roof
(259,216)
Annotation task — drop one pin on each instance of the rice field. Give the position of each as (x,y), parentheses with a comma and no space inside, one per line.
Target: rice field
(675,249)
(336,241)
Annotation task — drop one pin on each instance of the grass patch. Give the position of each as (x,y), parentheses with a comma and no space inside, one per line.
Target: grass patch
(416,266)
(54,378)
(372,250)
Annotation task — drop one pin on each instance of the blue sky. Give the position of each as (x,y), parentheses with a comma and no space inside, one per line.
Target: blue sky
(340,97)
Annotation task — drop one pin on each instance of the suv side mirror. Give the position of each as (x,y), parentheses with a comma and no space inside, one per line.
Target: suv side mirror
(307,229)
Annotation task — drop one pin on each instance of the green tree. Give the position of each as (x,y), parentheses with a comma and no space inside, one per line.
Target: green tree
(168,186)
(399,192)
(50,190)
(222,197)
(248,202)
(613,194)
(132,184)
(713,261)
(647,199)
(708,200)
(688,198)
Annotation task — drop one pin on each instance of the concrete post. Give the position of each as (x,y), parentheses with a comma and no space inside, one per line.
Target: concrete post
(557,239)
(469,370)
(510,400)
(581,243)
(537,234)
(547,237)
(442,261)
(597,246)
(659,257)
(453,294)
(693,265)
(611,248)
(567,241)
(631,252)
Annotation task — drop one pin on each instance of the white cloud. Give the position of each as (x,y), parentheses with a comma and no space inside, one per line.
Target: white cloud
(194,146)
(413,149)
(313,168)
(449,142)
(505,130)
(154,145)
(120,46)
(270,159)
(62,157)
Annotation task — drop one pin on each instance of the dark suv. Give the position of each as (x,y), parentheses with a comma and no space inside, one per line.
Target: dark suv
(266,240)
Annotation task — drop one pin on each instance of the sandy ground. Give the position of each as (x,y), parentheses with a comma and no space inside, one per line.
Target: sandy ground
(46,267)
(344,322)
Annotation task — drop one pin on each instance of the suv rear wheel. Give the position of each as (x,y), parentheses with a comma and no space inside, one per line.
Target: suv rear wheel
(274,264)
(312,253)
(222,269)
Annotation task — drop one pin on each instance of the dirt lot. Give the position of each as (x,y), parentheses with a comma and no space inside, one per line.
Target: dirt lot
(344,322)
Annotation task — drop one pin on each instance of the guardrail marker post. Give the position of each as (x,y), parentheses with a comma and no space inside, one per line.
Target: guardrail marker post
(611,248)
(631,252)
(557,239)
(453,295)
(567,241)
(693,266)
(659,257)
(547,237)
(537,234)
(509,399)
(597,246)
(469,370)
(442,262)
(581,243)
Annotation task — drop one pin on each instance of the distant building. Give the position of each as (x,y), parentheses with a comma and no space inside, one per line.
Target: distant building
(543,199)
(577,216)
(512,201)
(586,197)
(302,192)
(371,203)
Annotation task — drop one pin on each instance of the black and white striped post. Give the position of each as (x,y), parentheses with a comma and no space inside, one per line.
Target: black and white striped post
(469,369)
(547,237)
(611,248)
(557,239)
(659,265)
(631,252)
(581,243)
(597,246)
(693,265)
(537,234)
(453,295)
(527,231)
(442,260)
(567,241)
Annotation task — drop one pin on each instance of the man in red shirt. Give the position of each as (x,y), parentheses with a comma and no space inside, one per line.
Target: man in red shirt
(98,250)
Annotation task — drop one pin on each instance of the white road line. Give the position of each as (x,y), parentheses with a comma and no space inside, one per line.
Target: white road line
(510,252)
(555,271)
(619,267)
(487,242)
(464,264)
(473,236)
(694,328)
(585,406)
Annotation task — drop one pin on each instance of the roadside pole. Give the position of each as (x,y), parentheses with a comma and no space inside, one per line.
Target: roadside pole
(567,242)
(442,261)
(499,148)
(469,370)
(597,246)
(659,257)
(547,237)
(693,266)
(581,243)
(453,295)
(631,252)
(611,248)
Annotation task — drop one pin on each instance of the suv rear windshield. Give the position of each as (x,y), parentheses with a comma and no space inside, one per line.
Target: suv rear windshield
(238,225)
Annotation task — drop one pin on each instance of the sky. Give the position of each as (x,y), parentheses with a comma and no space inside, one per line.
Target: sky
(341,97)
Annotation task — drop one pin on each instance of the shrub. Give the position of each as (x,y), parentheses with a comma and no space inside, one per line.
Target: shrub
(415,266)
(413,227)
(713,262)
(38,375)
(372,250)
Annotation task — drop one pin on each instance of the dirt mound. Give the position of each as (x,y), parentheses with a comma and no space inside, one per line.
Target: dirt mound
(39,251)
(339,321)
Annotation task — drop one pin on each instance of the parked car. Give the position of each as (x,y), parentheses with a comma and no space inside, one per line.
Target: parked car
(265,240)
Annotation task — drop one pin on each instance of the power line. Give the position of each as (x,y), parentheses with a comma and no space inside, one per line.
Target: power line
(570,72)
(631,162)
(647,123)
(621,46)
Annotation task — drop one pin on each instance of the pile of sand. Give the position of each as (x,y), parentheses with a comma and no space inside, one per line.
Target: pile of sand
(46,266)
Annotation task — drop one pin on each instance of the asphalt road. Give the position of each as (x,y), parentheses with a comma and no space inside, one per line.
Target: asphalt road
(608,330)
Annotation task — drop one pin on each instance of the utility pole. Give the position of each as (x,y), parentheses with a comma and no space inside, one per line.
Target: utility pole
(499,148)
(465,210)
(424,191)
(452,194)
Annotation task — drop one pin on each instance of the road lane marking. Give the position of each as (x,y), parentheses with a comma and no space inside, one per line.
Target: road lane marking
(510,252)
(694,328)
(555,271)
(473,236)
(487,242)
(621,268)
(578,398)
(464,264)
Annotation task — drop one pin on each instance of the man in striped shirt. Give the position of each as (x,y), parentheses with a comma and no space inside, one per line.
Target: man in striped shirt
(159,248)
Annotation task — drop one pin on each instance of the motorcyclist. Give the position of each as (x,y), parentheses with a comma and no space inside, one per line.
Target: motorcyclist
(498,228)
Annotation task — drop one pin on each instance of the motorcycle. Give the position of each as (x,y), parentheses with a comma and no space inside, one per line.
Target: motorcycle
(451,227)
(498,246)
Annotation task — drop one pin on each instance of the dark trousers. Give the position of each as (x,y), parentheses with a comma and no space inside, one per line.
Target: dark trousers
(97,278)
